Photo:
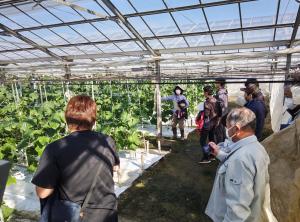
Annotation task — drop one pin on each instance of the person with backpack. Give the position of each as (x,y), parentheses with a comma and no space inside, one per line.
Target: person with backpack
(179,111)
(211,118)
(222,109)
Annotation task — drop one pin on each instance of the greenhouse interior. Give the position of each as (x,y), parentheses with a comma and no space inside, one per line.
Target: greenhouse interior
(193,106)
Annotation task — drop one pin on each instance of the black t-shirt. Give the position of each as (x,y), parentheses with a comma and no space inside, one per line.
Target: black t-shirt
(69,165)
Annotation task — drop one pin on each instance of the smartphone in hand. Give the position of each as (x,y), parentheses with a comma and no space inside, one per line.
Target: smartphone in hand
(207,149)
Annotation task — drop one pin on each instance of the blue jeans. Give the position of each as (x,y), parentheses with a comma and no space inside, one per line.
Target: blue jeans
(55,210)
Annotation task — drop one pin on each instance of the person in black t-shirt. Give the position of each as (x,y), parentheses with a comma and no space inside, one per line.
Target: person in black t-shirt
(68,166)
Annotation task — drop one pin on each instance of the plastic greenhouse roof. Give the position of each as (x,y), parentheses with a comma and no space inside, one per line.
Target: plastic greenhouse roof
(124,38)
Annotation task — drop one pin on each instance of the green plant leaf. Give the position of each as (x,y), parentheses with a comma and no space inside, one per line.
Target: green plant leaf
(11,180)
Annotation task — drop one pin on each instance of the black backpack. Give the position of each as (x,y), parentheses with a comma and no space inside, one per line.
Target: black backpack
(183,110)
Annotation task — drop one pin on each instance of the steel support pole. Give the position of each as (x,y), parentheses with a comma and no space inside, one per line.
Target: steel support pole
(158,99)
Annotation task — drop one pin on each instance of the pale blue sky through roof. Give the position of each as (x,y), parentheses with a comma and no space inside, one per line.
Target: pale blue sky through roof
(254,13)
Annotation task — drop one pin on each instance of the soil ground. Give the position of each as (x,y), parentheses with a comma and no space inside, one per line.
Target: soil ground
(176,189)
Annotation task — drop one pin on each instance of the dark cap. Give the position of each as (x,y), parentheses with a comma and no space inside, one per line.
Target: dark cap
(251,81)
(249,90)
(220,80)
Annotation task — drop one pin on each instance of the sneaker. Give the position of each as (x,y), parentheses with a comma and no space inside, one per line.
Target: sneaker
(204,161)
(212,159)
(182,138)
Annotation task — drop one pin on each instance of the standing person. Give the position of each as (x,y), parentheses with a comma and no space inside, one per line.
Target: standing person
(222,94)
(258,107)
(222,109)
(177,117)
(253,84)
(75,174)
(241,190)
(210,121)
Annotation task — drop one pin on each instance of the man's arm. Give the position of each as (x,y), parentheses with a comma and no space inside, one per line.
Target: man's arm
(260,119)
(239,194)
(43,192)
(221,155)
(217,151)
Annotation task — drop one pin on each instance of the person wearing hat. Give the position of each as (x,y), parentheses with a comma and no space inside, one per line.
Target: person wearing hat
(253,84)
(256,105)
(179,111)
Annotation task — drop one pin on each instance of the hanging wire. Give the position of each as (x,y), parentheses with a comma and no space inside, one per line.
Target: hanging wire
(13,93)
(41,94)
(45,92)
(17,93)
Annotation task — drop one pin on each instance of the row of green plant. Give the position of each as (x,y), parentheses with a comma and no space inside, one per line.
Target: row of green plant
(32,114)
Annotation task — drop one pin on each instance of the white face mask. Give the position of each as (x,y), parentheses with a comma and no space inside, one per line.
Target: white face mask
(229,138)
(241,101)
(288,102)
(177,91)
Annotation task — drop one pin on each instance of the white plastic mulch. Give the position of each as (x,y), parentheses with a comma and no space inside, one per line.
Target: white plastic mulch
(21,196)
(166,130)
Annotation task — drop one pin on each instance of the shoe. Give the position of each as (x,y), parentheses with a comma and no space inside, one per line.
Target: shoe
(182,134)
(212,159)
(204,161)
(182,138)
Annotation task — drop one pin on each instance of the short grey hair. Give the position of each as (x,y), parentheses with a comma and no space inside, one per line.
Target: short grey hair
(242,116)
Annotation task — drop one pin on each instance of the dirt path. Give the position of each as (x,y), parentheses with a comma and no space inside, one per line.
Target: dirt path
(176,189)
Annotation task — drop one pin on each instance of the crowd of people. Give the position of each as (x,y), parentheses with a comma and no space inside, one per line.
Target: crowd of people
(74,180)
(211,119)
(241,190)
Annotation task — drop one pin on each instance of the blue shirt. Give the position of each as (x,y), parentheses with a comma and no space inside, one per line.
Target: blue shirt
(259,109)
(175,99)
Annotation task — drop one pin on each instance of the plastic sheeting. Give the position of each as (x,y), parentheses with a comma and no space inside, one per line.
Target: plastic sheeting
(284,151)
(296,94)
(276,105)
(21,195)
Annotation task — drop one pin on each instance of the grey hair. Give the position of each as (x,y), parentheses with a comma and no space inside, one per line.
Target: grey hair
(242,116)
